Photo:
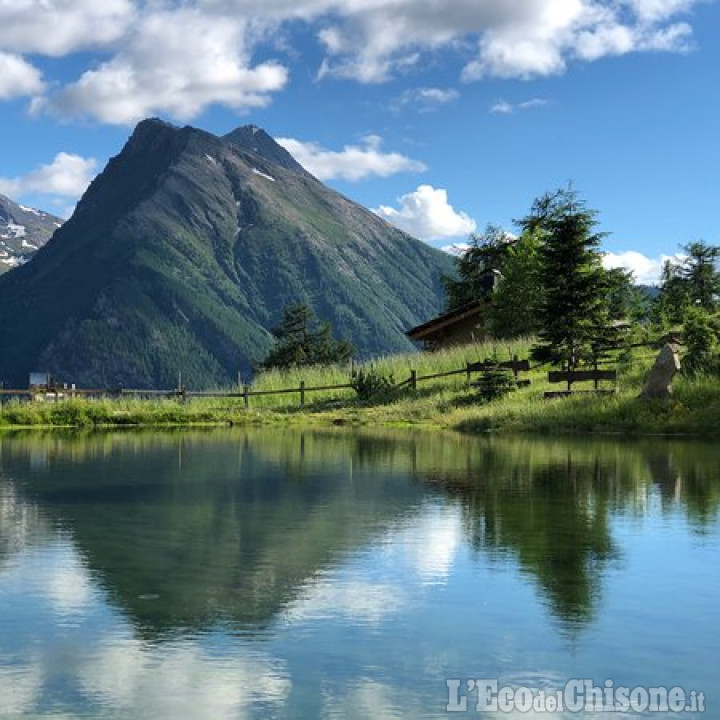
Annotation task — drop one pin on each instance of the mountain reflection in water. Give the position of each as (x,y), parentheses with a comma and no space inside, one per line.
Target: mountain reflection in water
(231,563)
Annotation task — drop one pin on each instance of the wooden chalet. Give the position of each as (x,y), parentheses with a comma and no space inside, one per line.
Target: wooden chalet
(461,326)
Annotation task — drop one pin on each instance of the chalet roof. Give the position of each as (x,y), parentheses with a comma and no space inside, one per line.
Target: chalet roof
(448,319)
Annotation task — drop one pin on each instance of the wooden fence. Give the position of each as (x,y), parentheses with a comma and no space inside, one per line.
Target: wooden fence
(57,393)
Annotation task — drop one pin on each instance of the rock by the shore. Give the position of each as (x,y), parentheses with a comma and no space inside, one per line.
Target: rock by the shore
(658,385)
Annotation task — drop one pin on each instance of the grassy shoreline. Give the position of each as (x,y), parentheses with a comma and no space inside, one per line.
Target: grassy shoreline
(446,403)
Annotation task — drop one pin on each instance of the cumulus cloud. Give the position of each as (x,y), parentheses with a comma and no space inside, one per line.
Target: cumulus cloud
(646,270)
(374,40)
(59,27)
(179,58)
(427,214)
(578,29)
(18,78)
(177,62)
(353,162)
(67,176)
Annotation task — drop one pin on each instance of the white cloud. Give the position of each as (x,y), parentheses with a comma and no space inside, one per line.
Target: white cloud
(427,214)
(456,249)
(534,103)
(353,162)
(646,270)
(177,58)
(654,10)
(427,98)
(176,62)
(18,78)
(502,107)
(371,41)
(60,27)
(67,176)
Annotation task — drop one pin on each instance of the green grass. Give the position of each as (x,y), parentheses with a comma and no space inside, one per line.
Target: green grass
(398,366)
(440,403)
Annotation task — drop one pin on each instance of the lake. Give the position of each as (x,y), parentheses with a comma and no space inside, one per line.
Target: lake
(279,573)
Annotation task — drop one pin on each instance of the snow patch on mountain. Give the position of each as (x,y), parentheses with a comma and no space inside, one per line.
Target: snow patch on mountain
(14,261)
(12,231)
(263,175)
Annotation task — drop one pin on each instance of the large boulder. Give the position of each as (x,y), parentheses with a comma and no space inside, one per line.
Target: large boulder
(659,381)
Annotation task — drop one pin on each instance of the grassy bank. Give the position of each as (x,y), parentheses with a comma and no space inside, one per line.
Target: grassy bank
(445,402)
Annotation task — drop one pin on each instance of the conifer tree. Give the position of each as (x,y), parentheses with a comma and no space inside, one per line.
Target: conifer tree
(573,310)
(301,340)
(699,272)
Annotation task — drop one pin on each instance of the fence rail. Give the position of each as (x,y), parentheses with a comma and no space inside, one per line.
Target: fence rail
(56,392)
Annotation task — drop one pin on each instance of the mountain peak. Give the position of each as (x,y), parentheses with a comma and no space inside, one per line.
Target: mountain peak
(150,130)
(23,230)
(184,252)
(255,140)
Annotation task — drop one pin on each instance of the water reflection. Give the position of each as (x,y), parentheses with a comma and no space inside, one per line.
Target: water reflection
(235,574)
(230,526)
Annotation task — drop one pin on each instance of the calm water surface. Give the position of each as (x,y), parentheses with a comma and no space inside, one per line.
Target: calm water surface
(287,574)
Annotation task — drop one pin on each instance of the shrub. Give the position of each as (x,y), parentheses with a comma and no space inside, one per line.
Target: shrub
(494,383)
(370,384)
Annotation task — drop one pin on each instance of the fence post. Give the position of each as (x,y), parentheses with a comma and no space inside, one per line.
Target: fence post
(246,397)
(302,393)
(516,372)
(413,379)
(570,369)
(467,373)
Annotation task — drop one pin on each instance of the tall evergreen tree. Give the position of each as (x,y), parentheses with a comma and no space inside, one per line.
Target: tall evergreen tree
(573,310)
(700,273)
(302,340)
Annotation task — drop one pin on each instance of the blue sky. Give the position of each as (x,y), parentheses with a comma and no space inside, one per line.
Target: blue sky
(441,116)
